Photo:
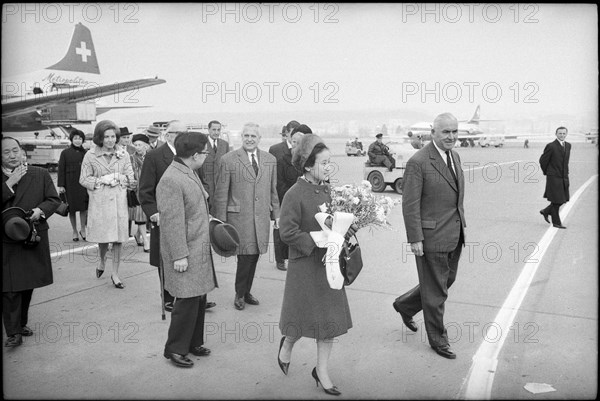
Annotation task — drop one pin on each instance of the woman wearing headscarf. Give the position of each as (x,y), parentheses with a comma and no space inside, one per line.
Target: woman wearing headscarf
(69,170)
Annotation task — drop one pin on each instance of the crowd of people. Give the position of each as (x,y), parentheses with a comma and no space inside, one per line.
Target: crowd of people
(193,190)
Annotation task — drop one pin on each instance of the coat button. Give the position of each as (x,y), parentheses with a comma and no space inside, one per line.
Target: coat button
(316,191)
(256,199)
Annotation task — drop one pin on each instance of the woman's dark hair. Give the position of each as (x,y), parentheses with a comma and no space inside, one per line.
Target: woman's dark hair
(310,161)
(188,143)
(101,128)
(77,132)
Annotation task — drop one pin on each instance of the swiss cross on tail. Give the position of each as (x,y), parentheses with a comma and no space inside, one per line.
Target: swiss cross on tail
(81,55)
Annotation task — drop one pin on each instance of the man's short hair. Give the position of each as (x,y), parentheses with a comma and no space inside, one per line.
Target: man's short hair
(188,143)
(251,126)
(213,122)
(291,125)
(561,127)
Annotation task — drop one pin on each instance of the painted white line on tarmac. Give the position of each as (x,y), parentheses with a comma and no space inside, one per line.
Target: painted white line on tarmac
(80,248)
(480,379)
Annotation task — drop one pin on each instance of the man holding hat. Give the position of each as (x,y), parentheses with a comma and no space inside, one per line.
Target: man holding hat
(29,198)
(153,133)
(185,240)
(379,154)
(246,197)
(287,175)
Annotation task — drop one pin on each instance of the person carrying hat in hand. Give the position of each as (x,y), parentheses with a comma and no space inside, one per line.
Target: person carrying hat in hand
(31,190)
(185,247)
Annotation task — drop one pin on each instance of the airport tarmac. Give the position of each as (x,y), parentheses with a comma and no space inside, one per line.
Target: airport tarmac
(93,341)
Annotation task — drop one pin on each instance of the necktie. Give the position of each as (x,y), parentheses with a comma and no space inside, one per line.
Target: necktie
(254,165)
(215,146)
(449,162)
(562,144)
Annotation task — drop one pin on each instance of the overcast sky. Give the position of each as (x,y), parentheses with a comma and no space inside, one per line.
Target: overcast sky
(515,60)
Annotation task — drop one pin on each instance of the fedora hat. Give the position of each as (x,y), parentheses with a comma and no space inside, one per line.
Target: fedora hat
(153,131)
(224,238)
(16,226)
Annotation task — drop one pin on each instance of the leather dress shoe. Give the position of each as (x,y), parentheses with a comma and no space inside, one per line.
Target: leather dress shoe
(14,341)
(26,331)
(239,303)
(559,226)
(281,266)
(169,306)
(210,305)
(200,351)
(545,216)
(408,321)
(250,299)
(179,360)
(445,351)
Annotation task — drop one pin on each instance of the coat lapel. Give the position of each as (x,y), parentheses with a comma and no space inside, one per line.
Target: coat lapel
(22,187)
(245,160)
(440,165)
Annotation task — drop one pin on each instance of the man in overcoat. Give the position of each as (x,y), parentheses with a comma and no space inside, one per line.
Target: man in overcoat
(185,248)
(245,197)
(379,153)
(555,166)
(432,206)
(24,268)
(287,175)
(155,165)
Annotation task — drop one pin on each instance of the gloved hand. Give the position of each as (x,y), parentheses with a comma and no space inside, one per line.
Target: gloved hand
(351,231)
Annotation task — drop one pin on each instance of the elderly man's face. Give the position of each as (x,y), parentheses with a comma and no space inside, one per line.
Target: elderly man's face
(250,139)
(445,133)
(214,131)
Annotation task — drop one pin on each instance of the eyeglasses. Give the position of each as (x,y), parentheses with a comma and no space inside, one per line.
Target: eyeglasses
(202,153)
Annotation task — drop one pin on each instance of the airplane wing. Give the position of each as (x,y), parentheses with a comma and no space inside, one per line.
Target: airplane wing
(18,107)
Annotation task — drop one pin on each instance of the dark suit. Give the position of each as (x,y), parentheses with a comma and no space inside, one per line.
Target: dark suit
(208,171)
(24,269)
(432,206)
(155,165)
(287,175)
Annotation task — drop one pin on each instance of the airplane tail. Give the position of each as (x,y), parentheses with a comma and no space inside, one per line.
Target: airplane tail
(475,118)
(81,54)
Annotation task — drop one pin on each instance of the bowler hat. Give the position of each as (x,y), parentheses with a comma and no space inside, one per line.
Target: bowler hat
(16,227)
(379,135)
(224,238)
(140,137)
(153,131)
(124,131)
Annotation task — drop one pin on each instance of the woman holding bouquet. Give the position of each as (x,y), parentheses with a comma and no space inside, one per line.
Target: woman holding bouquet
(310,307)
(107,173)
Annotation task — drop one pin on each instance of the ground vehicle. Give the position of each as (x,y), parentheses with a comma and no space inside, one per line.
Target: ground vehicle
(380,176)
(355,148)
(492,140)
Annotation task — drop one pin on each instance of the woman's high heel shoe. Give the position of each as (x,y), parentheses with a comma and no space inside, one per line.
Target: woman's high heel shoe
(331,391)
(283,365)
(119,284)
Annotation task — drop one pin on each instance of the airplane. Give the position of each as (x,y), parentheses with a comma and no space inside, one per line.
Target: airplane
(63,93)
(468,130)
(59,96)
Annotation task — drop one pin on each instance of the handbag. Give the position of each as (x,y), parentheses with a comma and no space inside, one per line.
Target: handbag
(63,208)
(132,200)
(350,261)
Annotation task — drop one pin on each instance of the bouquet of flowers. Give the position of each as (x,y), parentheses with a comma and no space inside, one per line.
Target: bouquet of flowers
(368,209)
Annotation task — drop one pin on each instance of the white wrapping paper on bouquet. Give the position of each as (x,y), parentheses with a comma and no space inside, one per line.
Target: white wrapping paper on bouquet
(332,239)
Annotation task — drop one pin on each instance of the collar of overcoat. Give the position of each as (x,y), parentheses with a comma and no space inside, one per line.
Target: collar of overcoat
(245,160)
(99,153)
(178,164)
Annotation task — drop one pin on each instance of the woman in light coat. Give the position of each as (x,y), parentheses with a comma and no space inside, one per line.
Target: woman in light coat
(107,173)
